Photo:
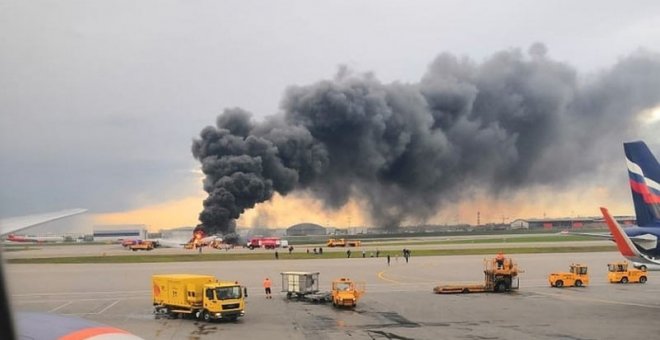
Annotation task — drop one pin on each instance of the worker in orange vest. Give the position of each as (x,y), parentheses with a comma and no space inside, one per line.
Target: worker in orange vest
(267,285)
(500,260)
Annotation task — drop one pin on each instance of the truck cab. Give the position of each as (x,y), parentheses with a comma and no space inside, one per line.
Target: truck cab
(222,300)
(621,272)
(577,276)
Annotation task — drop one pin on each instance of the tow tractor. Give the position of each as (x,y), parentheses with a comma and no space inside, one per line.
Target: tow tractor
(499,276)
(620,272)
(346,292)
(305,286)
(578,276)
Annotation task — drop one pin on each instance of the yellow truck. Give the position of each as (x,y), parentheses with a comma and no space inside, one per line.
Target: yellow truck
(499,276)
(578,276)
(343,243)
(620,272)
(142,245)
(346,292)
(200,296)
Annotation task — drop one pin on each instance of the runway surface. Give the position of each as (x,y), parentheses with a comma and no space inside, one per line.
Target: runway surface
(399,303)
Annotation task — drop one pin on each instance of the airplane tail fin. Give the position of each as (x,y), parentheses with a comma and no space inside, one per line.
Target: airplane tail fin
(644,175)
(623,242)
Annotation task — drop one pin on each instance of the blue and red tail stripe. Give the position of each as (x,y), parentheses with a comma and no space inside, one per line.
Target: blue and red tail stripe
(644,174)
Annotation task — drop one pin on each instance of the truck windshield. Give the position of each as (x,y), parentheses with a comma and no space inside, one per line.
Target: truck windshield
(225,293)
(342,286)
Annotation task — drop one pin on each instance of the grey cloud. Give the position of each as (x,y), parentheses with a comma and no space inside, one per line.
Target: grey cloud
(511,122)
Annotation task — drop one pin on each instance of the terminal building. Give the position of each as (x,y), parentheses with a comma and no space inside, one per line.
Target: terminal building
(305,229)
(118,232)
(568,223)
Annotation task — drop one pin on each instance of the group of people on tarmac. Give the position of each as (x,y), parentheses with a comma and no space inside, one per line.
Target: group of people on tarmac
(319,252)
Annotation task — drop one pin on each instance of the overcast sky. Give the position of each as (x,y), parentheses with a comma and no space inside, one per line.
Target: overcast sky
(100,100)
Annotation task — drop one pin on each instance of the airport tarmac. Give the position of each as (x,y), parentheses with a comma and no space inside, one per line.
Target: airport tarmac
(399,303)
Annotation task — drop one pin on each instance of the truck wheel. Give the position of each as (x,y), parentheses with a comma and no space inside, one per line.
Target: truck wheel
(578,283)
(642,279)
(624,280)
(465,291)
(500,287)
(206,316)
(559,283)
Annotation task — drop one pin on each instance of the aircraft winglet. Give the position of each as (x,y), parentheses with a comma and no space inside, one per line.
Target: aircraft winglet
(623,242)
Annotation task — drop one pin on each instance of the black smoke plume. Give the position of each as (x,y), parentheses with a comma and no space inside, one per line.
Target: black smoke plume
(515,120)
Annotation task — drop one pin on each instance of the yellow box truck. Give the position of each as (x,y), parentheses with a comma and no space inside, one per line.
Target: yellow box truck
(200,296)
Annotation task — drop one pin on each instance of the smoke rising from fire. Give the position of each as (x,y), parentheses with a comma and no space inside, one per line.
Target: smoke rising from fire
(515,120)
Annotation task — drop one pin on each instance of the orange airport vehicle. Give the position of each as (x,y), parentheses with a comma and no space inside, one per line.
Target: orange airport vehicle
(500,275)
(621,272)
(343,243)
(142,245)
(578,276)
(346,292)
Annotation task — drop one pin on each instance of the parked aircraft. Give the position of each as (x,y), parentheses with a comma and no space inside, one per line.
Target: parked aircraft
(639,243)
(15,224)
(31,325)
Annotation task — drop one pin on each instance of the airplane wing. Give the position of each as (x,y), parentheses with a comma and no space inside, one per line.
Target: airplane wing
(623,242)
(14,224)
(646,241)
(600,235)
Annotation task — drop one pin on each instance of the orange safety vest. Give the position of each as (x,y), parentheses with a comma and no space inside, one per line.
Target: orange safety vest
(267,283)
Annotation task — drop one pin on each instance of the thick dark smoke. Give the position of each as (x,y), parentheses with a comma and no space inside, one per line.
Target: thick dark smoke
(515,120)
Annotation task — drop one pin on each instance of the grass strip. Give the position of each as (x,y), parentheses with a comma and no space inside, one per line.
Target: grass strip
(138,258)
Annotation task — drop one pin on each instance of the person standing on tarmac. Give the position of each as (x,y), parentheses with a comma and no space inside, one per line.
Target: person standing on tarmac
(500,259)
(267,285)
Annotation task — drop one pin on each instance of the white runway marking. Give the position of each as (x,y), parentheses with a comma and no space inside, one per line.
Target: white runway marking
(84,293)
(106,308)
(60,307)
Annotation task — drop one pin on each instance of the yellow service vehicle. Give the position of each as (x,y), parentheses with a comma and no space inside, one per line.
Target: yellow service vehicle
(500,275)
(620,272)
(201,296)
(343,243)
(346,292)
(142,245)
(577,276)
